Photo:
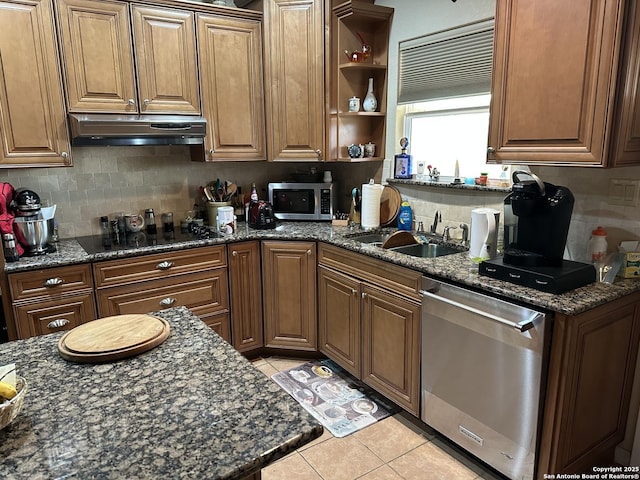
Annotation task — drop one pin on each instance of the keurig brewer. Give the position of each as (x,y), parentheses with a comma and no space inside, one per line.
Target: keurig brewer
(537,215)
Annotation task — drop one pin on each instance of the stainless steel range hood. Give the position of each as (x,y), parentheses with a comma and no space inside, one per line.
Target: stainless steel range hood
(116,129)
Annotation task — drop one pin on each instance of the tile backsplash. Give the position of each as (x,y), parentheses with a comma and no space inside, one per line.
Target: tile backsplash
(107,180)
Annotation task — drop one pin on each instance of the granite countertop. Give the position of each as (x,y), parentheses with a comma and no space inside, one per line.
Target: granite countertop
(455,268)
(193,407)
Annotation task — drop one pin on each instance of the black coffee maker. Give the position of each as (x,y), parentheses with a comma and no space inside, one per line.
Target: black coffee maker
(537,217)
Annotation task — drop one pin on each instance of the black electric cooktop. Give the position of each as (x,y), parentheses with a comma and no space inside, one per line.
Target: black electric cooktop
(98,244)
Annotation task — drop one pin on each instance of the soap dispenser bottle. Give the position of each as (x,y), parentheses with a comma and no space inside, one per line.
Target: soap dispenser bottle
(405,217)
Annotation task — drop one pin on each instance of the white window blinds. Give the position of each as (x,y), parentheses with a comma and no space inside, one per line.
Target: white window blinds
(445,64)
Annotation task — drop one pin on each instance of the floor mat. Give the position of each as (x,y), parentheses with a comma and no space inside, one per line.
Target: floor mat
(339,401)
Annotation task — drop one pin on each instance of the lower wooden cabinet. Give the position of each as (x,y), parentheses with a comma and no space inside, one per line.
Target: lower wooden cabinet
(194,278)
(591,371)
(52,299)
(50,316)
(245,284)
(369,324)
(289,294)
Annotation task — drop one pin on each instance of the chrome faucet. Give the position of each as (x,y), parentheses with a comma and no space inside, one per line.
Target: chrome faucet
(420,230)
(465,233)
(438,218)
(446,235)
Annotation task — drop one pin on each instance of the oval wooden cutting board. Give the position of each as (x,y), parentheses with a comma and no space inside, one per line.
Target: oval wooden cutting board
(113,338)
(390,201)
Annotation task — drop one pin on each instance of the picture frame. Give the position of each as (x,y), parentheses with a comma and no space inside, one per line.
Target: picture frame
(402,166)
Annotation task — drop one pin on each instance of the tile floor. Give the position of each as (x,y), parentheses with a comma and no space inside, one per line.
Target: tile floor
(396,448)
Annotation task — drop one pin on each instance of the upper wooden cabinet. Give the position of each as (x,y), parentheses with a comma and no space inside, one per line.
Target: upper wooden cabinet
(33,125)
(558,94)
(294,77)
(350,21)
(98,51)
(231,77)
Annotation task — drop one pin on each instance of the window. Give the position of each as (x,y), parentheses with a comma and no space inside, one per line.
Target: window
(443,98)
(443,131)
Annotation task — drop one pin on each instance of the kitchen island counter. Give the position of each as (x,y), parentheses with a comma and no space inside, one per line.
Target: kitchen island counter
(193,407)
(456,268)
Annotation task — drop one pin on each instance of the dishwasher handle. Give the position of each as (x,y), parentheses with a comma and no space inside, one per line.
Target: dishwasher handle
(522,326)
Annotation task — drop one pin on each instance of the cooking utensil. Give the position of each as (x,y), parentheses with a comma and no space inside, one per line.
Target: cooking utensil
(230,190)
(357,198)
(207,193)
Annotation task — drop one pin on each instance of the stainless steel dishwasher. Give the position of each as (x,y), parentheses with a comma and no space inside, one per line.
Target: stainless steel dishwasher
(482,365)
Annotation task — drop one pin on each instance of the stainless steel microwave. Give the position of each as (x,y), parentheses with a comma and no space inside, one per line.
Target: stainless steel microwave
(303,201)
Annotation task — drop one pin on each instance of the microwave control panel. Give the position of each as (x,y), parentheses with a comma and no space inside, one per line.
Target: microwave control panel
(325,201)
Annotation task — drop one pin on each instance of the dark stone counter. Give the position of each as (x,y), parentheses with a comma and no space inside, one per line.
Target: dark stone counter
(455,268)
(193,407)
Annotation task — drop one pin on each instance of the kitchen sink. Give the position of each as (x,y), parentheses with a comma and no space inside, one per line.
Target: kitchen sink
(426,250)
(376,239)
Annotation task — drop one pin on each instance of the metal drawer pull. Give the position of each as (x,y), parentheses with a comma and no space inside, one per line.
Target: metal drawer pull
(522,326)
(53,282)
(59,323)
(234,253)
(166,302)
(165,265)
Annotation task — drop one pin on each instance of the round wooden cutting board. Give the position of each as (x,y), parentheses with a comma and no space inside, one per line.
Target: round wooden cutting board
(113,338)
(390,201)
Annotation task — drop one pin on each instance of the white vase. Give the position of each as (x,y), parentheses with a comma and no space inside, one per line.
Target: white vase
(370,102)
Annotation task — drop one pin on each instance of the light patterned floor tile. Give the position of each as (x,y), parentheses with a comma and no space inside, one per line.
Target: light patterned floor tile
(284,363)
(341,459)
(291,467)
(267,369)
(382,473)
(390,438)
(326,435)
(428,462)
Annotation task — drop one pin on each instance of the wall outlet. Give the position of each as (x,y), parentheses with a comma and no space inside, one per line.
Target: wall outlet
(624,192)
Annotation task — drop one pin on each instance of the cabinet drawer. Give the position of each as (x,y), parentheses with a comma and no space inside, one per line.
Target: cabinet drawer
(199,290)
(53,316)
(50,281)
(158,266)
(400,280)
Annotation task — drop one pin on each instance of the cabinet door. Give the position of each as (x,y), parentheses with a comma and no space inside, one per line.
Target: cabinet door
(626,135)
(231,78)
(33,124)
(294,69)
(56,315)
(591,371)
(246,295)
(98,56)
(391,348)
(289,294)
(167,71)
(339,333)
(553,81)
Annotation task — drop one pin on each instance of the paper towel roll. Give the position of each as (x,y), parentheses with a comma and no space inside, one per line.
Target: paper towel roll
(370,210)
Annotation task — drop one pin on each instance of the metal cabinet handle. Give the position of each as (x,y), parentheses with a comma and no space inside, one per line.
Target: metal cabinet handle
(354,291)
(165,265)
(211,151)
(491,150)
(131,102)
(64,155)
(165,302)
(59,323)
(53,282)
(319,153)
(521,326)
(309,252)
(146,101)
(364,295)
(234,253)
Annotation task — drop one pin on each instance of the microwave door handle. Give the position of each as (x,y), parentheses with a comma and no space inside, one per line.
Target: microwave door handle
(522,326)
